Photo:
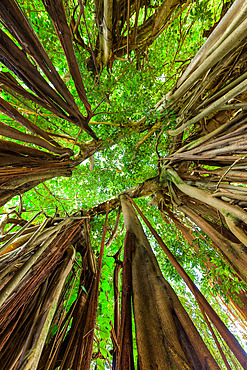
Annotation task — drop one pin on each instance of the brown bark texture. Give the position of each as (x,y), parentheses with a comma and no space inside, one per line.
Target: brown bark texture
(166,337)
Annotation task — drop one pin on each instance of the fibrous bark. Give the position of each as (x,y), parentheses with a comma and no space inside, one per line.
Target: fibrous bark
(163,328)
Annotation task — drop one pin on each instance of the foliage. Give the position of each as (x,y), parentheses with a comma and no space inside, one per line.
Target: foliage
(122,94)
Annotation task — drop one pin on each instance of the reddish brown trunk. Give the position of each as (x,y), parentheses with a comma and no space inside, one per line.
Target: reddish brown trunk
(229,338)
(125,356)
(166,337)
(116,328)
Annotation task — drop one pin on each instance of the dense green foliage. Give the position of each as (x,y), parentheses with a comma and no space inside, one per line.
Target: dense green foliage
(121,95)
(124,94)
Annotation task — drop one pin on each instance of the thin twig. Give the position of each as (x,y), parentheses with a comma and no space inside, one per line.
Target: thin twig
(46,187)
(226,172)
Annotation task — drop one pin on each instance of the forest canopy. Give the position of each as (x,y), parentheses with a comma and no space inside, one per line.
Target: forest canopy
(123,184)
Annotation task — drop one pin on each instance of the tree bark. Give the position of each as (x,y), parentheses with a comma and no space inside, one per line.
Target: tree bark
(166,337)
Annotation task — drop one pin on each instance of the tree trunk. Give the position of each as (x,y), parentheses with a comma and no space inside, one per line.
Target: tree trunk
(163,328)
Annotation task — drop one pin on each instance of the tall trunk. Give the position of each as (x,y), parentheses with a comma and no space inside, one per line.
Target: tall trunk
(125,356)
(166,337)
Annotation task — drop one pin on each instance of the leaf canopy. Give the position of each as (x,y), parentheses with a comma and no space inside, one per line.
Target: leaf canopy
(146,99)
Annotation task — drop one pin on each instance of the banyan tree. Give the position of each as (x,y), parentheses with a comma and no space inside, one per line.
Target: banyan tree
(123,153)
